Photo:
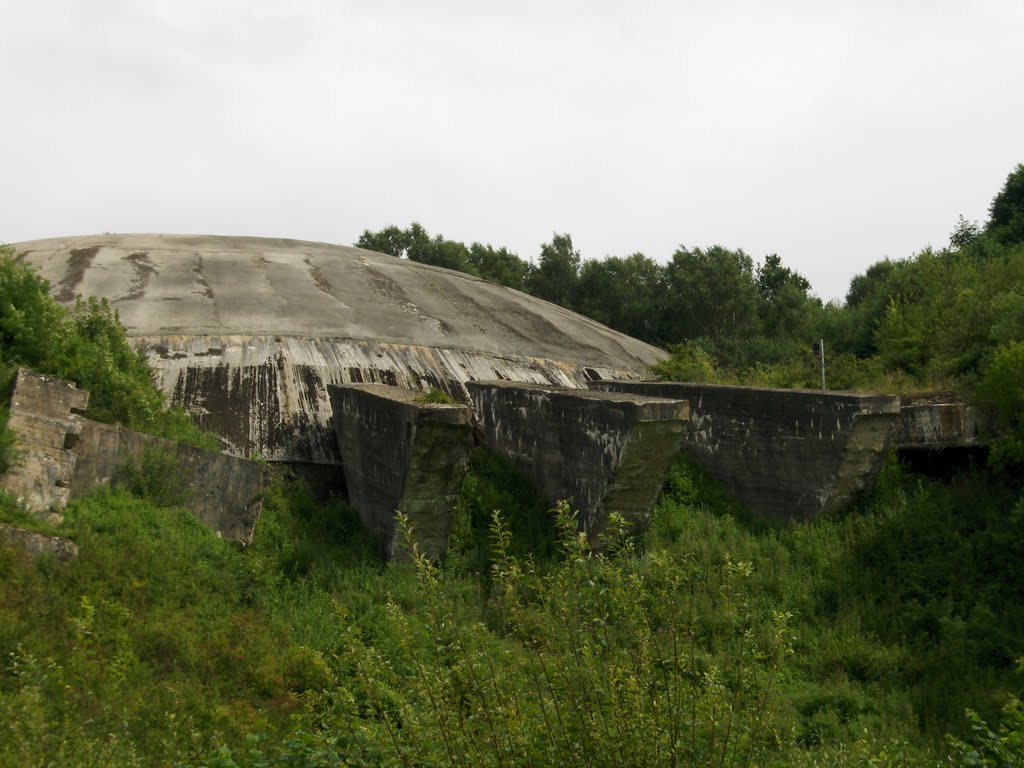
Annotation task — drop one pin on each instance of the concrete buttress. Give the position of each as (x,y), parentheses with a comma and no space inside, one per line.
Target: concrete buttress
(400,454)
(786,454)
(604,452)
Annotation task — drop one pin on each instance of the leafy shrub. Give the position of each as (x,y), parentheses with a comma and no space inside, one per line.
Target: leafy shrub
(599,661)
(156,478)
(988,748)
(1003,388)
(686,362)
(87,346)
(435,396)
(492,483)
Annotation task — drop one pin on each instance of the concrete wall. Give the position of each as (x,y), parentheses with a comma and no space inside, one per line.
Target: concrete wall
(63,454)
(268,395)
(44,418)
(605,452)
(223,491)
(785,454)
(933,425)
(402,455)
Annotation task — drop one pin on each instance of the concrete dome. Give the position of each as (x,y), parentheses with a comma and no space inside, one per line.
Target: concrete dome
(246,332)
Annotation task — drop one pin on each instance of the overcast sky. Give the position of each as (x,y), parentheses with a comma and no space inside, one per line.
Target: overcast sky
(832,133)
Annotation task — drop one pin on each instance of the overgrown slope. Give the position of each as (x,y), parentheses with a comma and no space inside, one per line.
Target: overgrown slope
(856,640)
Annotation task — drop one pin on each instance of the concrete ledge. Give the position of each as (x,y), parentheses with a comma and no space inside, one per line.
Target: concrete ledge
(785,454)
(400,454)
(933,425)
(603,451)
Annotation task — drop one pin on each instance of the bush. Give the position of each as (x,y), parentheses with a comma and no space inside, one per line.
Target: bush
(1003,388)
(686,362)
(87,346)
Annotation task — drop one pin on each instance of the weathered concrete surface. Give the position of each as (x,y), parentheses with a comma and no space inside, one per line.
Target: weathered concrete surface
(943,423)
(268,395)
(402,455)
(605,452)
(785,454)
(224,492)
(63,454)
(248,332)
(38,544)
(43,418)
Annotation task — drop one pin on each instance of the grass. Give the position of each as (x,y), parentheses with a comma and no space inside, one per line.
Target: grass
(860,639)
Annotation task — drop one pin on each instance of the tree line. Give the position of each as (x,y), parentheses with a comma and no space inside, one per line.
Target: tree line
(937,318)
(713,293)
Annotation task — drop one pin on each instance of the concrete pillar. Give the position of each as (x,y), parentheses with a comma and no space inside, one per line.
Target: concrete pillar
(44,419)
(401,454)
(604,452)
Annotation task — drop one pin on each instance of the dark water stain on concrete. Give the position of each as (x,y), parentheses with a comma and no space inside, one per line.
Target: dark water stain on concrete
(197,270)
(319,280)
(144,270)
(79,261)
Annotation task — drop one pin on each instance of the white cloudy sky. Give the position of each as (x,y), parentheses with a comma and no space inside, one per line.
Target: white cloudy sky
(833,133)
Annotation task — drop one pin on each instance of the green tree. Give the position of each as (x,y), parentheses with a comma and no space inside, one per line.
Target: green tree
(499,266)
(1006,214)
(965,233)
(390,240)
(556,277)
(785,302)
(32,324)
(415,243)
(626,294)
(711,293)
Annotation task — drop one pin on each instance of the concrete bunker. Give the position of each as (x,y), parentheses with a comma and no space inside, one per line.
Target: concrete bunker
(249,333)
(254,335)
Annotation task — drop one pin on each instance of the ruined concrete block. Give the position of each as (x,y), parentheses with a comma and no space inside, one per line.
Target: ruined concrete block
(402,455)
(944,424)
(224,492)
(605,452)
(61,454)
(784,453)
(38,544)
(44,419)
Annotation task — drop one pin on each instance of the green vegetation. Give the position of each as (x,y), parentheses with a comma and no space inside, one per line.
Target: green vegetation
(435,396)
(860,639)
(87,346)
(932,321)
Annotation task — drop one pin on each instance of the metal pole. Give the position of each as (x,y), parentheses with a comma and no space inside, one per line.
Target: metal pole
(822,348)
